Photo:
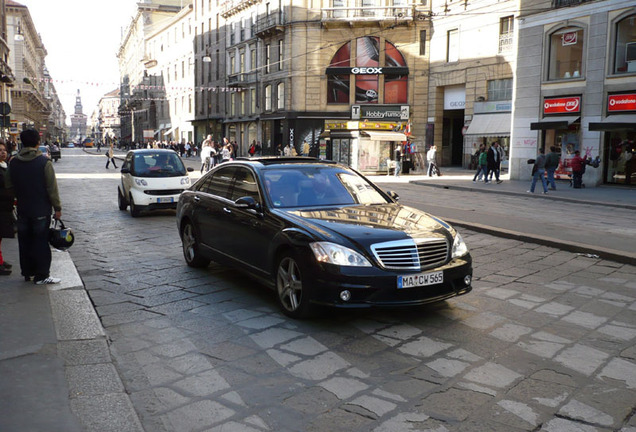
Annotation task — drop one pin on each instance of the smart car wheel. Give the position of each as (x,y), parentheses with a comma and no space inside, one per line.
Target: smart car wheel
(191,247)
(121,202)
(292,295)
(135,211)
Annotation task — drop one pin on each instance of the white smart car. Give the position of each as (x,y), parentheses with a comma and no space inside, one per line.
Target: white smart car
(151,179)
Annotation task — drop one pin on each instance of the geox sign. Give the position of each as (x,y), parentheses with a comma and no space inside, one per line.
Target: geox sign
(367,71)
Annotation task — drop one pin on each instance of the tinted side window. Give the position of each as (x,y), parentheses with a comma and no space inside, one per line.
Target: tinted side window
(244,185)
(220,182)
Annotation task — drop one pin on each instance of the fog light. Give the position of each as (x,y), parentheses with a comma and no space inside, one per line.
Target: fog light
(345,295)
(467,280)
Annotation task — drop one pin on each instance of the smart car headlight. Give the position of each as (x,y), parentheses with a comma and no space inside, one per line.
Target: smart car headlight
(338,255)
(185,180)
(459,247)
(141,182)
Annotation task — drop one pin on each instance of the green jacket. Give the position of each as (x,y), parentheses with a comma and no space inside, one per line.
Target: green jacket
(551,161)
(30,153)
(483,158)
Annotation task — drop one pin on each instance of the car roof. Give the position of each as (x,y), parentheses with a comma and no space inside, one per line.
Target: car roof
(278,160)
(154,151)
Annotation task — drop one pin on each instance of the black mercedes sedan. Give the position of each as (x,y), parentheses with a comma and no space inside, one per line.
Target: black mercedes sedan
(320,233)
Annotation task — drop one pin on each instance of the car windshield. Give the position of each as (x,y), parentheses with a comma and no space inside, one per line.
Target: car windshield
(311,186)
(158,165)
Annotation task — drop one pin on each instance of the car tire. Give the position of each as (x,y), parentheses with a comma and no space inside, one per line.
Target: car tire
(293,296)
(121,202)
(135,210)
(190,245)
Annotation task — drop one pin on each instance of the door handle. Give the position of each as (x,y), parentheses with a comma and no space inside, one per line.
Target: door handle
(197,199)
(227,210)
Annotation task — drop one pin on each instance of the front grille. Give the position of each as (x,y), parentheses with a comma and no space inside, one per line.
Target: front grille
(163,192)
(411,254)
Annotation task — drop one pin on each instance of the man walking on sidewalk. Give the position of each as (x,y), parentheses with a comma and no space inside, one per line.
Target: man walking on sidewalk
(493,161)
(32,176)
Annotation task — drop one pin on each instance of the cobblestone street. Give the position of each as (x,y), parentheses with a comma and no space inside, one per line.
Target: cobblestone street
(545,341)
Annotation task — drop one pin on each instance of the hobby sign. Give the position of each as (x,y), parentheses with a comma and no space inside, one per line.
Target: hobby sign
(565,105)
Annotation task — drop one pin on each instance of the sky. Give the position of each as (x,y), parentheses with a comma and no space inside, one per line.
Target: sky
(82,38)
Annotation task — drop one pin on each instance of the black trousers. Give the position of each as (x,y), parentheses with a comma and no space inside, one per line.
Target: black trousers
(109,161)
(33,245)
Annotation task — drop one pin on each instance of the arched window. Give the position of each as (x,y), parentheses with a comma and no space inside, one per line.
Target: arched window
(625,55)
(566,54)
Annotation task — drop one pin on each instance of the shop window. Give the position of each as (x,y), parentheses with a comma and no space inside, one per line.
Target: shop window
(423,42)
(500,90)
(566,54)
(367,89)
(280,98)
(506,32)
(452,48)
(338,89)
(268,98)
(625,54)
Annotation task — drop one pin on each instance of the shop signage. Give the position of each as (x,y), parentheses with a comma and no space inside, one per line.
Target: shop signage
(621,102)
(569,38)
(361,125)
(380,112)
(455,98)
(367,70)
(492,107)
(564,105)
(340,125)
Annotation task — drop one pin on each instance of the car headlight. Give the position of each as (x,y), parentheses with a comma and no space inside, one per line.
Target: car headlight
(459,247)
(185,180)
(338,255)
(141,182)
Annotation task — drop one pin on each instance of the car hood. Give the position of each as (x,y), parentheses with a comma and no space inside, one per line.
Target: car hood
(368,224)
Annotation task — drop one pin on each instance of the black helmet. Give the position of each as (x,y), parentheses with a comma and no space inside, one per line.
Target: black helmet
(60,237)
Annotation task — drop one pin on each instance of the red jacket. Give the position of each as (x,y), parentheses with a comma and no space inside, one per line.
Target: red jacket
(577,163)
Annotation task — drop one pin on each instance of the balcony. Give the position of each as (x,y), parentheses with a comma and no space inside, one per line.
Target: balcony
(391,15)
(241,79)
(567,3)
(232,7)
(268,25)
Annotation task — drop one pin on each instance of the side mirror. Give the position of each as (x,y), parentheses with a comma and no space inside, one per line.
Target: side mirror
(189,169)
(248,202)
(125,170)
(393,195)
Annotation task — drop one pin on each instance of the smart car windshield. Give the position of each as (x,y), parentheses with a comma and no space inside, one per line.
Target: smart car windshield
(158,165)
(311,186)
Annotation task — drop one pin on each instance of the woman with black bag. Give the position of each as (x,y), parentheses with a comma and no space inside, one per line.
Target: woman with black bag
(7,222)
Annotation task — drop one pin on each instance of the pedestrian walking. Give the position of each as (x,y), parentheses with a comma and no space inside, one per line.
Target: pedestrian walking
(551,164)
(431,156)
(32,176)
(7,224)
(398,160)
(577,163)
(110,154)
(206,154)
(482,165)
(493,161)
(539,172)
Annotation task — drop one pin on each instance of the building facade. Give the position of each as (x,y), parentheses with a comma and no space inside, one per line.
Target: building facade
(108,125)
(7,79)
(30,106)
(140,90)
(575,87)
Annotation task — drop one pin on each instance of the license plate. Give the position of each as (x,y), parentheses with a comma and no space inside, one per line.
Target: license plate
(165,200)
(421,279)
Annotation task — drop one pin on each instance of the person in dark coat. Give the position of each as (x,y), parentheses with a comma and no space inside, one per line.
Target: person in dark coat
(7,224)
(577,163)
(494,160)
(32,176)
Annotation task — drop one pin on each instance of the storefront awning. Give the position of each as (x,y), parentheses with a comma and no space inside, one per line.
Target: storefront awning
(557,122)
(168,132)
(384,135)
(490,125)
(615,122)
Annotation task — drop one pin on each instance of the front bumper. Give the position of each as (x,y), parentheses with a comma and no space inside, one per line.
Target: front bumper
(155,201)
(371,286)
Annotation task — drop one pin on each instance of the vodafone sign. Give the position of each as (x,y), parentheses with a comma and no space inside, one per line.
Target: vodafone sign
(565,105)
(621,102)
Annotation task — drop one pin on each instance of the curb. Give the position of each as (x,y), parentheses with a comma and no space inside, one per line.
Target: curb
(593,251)
(511,193)
(96,393)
